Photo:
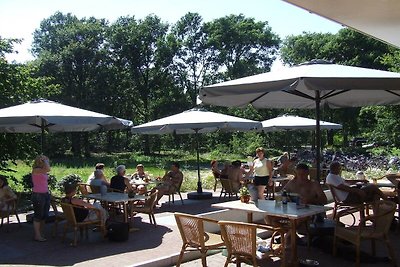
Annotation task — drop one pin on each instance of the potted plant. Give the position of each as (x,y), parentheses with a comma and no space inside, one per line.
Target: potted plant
(244,194)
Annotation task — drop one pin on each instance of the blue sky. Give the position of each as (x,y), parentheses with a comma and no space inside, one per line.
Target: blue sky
(19,18)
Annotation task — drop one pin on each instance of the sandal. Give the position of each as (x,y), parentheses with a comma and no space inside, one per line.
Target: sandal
(42,239)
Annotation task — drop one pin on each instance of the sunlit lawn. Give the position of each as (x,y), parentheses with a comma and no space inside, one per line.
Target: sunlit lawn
(155,165)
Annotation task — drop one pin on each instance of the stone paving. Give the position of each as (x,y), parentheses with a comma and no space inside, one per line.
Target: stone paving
(150,246)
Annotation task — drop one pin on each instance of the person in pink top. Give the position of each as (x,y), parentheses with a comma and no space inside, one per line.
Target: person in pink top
(40,195)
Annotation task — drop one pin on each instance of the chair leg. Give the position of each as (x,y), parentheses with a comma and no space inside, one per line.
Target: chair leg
(358,255)
(181,256)
(334,249)
(75,236)
(203,259)
(391,251)
(19,222)
(215,185)
(373,247)
(180,197)
(154,220)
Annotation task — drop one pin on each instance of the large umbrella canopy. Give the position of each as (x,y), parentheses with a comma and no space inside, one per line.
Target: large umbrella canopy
(338,86)
(310,85)
(379,19)
(195,121)
(42,114)
(287,123)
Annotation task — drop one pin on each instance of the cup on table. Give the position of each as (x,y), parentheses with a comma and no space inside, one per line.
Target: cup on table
(278,199)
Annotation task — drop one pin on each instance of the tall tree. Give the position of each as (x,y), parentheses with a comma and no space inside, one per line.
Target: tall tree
(195,59)
(143,53)
(243,46)
(18,84)
(73,51)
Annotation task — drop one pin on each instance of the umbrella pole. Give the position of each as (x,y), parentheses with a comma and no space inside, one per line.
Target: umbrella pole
(42,138)
(199,186)
(318,132)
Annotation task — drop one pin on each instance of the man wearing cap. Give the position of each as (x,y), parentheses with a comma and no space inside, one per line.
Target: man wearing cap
(120,182)
(99,166)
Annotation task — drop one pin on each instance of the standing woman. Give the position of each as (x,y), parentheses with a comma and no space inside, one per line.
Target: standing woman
(262,168)
(40,195)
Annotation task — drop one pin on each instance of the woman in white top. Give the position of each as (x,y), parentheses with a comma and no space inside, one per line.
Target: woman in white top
(262,169)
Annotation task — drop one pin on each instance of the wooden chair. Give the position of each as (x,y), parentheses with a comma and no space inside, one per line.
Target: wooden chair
(393,194)
(216,178)
(69,213)
(227,188)
(58,215)
(349,209)
(147,207)
(176,190)
(378,230)
(84,189)
(241,243)
(10,211)
(194,236)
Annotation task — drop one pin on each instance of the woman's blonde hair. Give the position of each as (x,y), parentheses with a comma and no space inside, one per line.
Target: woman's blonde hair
(260,149)
(39,161)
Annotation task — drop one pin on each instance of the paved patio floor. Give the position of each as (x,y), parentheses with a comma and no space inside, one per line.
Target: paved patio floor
(150,246)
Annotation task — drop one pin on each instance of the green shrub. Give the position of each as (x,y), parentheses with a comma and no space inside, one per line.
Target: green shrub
(27,184)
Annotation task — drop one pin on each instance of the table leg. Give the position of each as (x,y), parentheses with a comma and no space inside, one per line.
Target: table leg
(293,243)
(249,217)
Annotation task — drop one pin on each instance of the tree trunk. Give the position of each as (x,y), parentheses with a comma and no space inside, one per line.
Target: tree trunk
(330,136)
(86,144)
(76,144)
(146,145)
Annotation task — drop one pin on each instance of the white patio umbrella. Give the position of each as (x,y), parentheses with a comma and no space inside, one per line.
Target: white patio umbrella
(44,115)
(378,19)
(287,123)
(310,85)
(195,121)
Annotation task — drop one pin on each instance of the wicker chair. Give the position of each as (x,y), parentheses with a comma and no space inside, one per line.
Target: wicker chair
(69,213)
(11,210)
(227,188)
(195,238)
(378,230)
(216,178)
(241,243)
(58,215)
(147,207)
(349,209)
(176,190)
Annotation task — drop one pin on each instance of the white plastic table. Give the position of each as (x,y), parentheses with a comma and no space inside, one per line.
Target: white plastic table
(117,198)
(291,211)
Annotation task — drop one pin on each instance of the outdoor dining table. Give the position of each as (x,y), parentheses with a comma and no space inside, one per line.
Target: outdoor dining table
(275,179)
(294,213)
(117,198)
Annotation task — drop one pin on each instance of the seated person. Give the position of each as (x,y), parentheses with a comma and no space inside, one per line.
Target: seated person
(100,181)
(120,182)
(287,167)
(170,181)
(283,158)
(348,194)
(139,174)
(214,168)
(225,170)
(310,192)
(95,211)
(99,166)
(235,174)
(6,194)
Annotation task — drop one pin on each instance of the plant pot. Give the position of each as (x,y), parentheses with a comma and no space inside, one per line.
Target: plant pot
(245,199)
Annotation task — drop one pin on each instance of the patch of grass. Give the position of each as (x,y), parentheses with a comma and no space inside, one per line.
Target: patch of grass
(155,165)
